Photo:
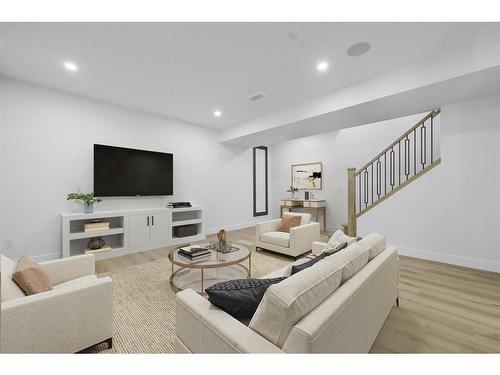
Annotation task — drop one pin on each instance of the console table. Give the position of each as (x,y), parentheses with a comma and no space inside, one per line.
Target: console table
(308,205)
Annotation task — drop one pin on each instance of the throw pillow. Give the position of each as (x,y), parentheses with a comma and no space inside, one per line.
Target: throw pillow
(288,222)
(240,298)
(303,266)
(338,237)
(9,289)
(30,277)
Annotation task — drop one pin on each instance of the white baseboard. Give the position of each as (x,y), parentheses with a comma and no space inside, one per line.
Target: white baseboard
(458,260)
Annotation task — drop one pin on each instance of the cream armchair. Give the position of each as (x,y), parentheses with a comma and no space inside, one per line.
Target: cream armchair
(76,314)
(295,243)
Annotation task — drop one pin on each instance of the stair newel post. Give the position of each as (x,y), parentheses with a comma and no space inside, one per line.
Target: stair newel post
(351,202)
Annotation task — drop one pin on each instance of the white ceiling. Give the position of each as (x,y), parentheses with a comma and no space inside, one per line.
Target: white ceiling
(187,70)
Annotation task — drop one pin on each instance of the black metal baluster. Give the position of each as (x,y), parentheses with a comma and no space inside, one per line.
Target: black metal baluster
(372,182)
(366,187)
(385,172)
(399,161)
(432,139)
(407,157)
(359,188)
(414,151)
(423,146)
(379,178)
(392,167)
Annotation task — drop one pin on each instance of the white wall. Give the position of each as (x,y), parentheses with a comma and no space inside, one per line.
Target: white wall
(46,150)
(337,150)
(452,214)
(1,165)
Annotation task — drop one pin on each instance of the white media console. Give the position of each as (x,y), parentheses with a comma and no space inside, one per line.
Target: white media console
(131,231)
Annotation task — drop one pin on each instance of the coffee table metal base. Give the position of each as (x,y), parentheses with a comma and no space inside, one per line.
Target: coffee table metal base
(202,273)
(199,279)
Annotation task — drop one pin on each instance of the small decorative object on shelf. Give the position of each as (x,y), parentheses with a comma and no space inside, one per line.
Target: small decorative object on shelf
(292,190)
(96,225)
(88,200)
(96,243)
(306,195)
(179,204)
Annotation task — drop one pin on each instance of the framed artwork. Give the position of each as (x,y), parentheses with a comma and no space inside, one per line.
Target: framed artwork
(307,176)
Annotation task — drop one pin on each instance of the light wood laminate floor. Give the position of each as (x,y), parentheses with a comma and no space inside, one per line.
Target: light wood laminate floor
(443,308)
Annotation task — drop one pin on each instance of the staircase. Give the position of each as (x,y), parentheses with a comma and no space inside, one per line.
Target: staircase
(410,156)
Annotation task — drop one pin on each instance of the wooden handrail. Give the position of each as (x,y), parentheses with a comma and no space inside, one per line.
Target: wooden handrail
(431,114)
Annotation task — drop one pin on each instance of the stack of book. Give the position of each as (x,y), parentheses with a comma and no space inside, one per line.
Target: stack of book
(194,252)
(91,227)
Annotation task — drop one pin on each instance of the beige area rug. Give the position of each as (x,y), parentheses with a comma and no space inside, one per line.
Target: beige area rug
(144,304)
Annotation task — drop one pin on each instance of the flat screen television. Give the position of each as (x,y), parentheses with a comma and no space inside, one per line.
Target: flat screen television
(120,172)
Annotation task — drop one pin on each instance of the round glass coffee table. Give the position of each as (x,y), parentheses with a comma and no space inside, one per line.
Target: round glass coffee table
(200,274)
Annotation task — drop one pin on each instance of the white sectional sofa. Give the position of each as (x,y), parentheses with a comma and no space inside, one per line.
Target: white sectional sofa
(336,306)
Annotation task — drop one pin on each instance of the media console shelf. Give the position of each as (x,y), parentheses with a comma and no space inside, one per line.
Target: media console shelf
(131,231)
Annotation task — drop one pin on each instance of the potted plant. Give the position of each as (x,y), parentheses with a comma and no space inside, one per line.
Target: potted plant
(88,200)
(292,190)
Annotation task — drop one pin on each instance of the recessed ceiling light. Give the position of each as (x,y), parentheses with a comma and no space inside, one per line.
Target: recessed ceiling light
(217,113)
(322,66)
(358,49)
(70,66)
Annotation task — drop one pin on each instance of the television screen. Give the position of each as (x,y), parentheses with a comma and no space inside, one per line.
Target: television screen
(120,172)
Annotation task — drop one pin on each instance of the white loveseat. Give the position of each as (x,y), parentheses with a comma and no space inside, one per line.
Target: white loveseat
(353,306)
(293,244)
(76,314)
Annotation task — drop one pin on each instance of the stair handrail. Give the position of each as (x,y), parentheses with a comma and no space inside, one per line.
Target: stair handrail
(353,174)
(433,113)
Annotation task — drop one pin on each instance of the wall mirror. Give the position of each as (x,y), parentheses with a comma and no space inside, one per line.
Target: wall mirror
(260,184)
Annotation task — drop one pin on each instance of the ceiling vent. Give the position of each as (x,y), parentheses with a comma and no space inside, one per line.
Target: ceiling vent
(358,49)
(256,97)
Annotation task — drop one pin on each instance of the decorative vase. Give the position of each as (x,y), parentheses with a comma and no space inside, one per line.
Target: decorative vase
(95,243)
(88,207)
(221,236)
